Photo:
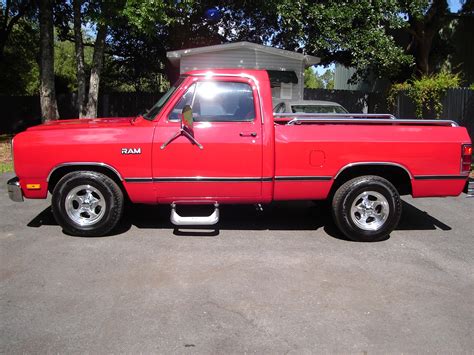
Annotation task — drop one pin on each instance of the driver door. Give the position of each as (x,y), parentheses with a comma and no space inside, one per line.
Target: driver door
(228,125)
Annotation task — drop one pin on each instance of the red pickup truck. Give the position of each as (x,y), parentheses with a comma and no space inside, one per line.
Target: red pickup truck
(213,139)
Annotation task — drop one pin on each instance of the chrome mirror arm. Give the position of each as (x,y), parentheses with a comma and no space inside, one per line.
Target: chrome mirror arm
(182,132)
(176,135)
(191,138)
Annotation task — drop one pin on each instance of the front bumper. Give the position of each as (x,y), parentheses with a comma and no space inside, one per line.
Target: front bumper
(14,190)
(469,189)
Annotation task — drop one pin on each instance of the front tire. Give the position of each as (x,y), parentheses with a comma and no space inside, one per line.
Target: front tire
(87,203)
(366,208)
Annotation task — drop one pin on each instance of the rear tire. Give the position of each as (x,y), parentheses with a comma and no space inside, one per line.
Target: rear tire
(367,208)
(87,203)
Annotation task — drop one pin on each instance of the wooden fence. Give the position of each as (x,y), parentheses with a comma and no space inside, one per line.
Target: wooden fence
(458,104)
(20,112)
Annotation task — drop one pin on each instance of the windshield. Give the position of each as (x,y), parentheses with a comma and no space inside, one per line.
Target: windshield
(151,113)
(317,109)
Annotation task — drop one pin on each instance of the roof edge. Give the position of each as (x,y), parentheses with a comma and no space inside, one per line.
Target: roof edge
(175,56)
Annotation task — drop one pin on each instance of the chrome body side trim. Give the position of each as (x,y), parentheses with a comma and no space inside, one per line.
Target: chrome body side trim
(86,163)
(373,163)
(14,190)
(210,74)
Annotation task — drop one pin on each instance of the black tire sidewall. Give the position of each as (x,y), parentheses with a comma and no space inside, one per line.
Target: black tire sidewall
(114,203)
(382,186)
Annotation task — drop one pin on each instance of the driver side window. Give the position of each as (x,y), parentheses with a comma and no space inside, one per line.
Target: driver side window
(223,101)
(186,99)
(217,101)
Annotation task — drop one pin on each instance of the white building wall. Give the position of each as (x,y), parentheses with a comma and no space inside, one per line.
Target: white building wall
(236,58)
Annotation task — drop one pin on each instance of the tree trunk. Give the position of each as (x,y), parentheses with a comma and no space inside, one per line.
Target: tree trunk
(97,62)
(79,52)
(422,52)
(423,30)
(3,30)
(421,43)
(49,108)
(3,42)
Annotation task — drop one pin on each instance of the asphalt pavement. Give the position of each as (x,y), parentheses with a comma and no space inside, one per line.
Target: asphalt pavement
(278,281)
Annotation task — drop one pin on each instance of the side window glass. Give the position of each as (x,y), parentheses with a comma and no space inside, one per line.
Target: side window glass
(186,99)
(223,102)
(280,108)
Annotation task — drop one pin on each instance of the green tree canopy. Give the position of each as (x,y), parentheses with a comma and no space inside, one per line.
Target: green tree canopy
(382,37)
(314,80)
(351,32)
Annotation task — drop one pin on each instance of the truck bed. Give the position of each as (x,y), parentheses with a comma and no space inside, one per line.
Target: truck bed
(314,149)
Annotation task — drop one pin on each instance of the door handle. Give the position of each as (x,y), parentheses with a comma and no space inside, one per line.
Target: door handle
(248,134)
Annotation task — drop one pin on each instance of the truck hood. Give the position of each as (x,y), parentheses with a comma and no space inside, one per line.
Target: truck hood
(109,122)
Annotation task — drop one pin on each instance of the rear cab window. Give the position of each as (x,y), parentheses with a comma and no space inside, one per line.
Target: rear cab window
(317,109)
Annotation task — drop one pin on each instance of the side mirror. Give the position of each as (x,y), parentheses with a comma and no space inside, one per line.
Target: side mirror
(187,121)
(186,128)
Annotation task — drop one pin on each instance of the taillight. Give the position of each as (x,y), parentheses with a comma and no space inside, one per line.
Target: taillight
(466,154)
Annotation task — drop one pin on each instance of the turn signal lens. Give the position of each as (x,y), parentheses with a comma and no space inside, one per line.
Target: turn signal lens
(33,186)
(466,158)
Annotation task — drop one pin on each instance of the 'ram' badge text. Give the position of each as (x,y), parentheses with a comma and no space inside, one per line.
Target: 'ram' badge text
(127,151)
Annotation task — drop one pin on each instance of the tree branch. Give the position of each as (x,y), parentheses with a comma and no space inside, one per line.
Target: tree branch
(21,12)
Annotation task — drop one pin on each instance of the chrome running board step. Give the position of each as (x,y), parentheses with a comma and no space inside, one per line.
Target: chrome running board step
(210,220)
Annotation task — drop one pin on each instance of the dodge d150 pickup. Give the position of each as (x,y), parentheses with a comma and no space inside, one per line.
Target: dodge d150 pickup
(213,139)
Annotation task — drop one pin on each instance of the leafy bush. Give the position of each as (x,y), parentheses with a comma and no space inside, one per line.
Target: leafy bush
(6,163)
(426,92)
(6,167)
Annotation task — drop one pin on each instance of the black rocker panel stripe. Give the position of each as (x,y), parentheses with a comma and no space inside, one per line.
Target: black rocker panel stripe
(277,178)
(191,179)
(138,180)
(303,178)
(231,179)
(440,177)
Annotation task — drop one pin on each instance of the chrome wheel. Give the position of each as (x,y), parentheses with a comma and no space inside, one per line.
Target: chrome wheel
(85,205)
(370,210)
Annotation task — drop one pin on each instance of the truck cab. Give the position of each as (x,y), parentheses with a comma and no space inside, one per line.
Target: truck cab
(233,127)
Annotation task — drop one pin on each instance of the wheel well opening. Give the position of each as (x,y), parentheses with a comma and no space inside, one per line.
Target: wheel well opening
(62,171)
(398,176)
